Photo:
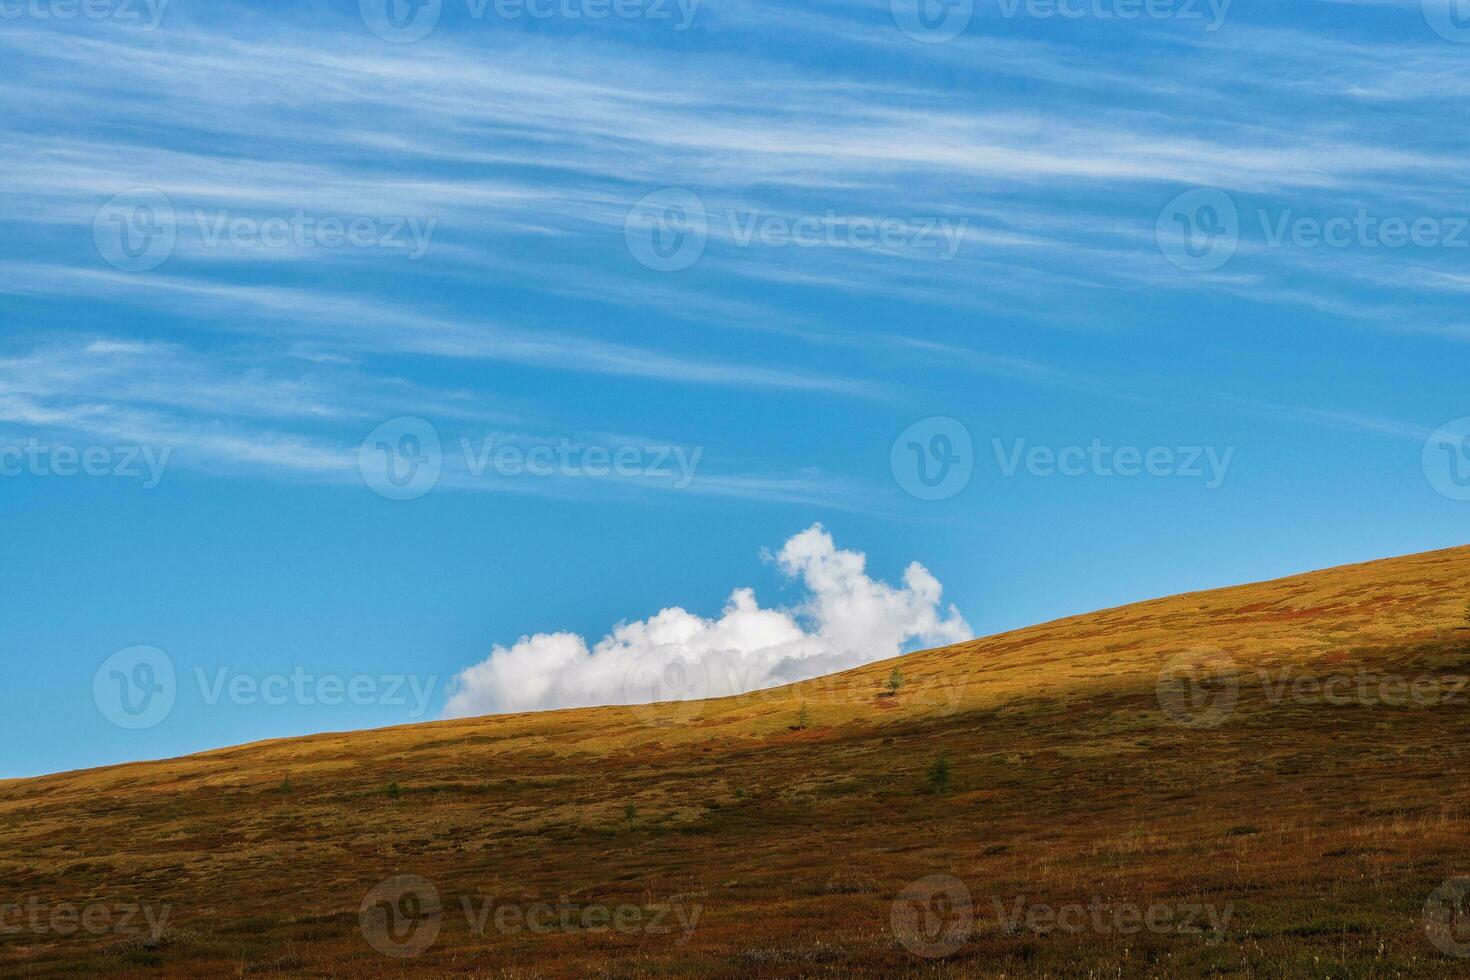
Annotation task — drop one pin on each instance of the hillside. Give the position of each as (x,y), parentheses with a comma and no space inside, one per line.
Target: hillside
(1299,828)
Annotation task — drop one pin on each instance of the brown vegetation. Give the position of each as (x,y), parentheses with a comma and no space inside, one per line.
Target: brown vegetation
(1182,753)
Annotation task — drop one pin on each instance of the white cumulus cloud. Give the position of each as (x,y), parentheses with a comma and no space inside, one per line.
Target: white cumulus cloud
(845,620)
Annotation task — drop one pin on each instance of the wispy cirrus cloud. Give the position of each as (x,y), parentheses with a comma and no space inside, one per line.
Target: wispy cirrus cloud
(357,322)
(223,412)
(527,153)
(1046,190)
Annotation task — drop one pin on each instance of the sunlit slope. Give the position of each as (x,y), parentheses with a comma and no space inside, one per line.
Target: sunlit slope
(1182,750)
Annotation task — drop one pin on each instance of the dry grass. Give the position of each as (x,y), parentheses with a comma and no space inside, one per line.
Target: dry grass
(1323,827)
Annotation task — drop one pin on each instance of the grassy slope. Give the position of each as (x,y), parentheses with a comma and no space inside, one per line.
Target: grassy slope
(1324,826)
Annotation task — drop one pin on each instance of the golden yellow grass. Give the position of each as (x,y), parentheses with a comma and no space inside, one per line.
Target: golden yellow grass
(1323,824)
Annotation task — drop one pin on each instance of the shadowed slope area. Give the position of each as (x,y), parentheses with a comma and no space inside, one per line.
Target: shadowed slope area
(1182,753)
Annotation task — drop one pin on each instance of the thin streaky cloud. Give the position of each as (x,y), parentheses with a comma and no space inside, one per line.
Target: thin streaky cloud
(346,320)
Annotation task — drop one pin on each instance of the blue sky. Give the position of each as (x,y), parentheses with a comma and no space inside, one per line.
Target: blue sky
(798,263)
